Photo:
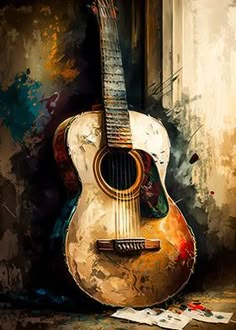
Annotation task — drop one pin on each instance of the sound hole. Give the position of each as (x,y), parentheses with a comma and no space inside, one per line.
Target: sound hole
(118,169)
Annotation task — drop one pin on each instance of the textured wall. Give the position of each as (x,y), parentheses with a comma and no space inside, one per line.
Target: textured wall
(205,121)
(37,59)
(209,83)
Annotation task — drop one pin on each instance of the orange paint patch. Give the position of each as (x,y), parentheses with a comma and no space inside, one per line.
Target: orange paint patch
(55,65)
(69,74)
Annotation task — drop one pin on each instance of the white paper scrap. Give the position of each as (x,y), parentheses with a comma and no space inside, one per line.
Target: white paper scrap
(171,320)
(165,319)
(216,317)
(131,314)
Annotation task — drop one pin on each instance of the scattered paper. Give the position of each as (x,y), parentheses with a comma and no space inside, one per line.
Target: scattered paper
(213,317)
(171,320)
(165,319)
(131,314)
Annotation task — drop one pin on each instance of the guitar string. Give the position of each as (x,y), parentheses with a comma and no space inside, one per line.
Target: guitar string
(130,202)
(125,194)
(133,214)
(123,208)
(127,214)
(115,201)
(123,175)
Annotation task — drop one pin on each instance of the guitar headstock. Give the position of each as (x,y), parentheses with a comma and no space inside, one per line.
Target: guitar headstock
(105,8)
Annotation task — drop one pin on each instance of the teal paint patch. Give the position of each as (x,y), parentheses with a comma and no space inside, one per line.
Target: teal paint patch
(61,225)
(154,203)
(20,106)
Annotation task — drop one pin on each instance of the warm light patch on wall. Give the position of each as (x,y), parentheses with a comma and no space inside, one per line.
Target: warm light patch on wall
(209,61)
(38,44)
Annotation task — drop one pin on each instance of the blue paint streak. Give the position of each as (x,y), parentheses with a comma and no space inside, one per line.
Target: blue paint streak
(20,106)
(60,228)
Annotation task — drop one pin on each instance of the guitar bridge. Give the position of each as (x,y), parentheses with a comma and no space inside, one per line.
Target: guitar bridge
(128,245)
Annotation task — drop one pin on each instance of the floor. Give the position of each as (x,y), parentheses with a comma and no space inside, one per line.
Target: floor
(223,300)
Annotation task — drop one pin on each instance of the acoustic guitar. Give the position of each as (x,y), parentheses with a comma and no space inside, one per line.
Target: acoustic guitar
(126,243)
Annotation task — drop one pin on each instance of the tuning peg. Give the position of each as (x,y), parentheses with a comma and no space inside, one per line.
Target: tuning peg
(91,4)
(93,7)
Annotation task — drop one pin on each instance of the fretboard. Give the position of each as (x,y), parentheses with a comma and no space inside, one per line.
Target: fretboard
(118,131)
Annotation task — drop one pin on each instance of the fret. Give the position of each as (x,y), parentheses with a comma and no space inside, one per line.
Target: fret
(117,113)
(108,25)
(114,75)
(114,86)
(116,66)
(108,81)
(112,59)
(118,123)
(119,144)
(109,35)
(116,109)
(119,136)
(117,79)
(118,139)
(110,43)
(108,46)
(107,97)
(107,69)
(111,124)
(117,126)
(113,140)
(116,105)
(120,130)
(110,53)
(119,120)
(114,102)
(118,94)
(113,82)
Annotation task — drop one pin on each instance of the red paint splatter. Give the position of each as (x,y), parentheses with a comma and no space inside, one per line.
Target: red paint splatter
(186,249)
(194,306)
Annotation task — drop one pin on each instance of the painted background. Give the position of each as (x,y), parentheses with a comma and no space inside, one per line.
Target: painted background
(49,70)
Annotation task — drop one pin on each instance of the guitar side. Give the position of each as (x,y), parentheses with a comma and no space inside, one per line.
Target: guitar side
(121,280)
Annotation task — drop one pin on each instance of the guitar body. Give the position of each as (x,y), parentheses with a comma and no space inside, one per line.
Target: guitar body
(140,278)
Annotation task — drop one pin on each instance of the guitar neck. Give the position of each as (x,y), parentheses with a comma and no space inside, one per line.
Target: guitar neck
(113,82)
